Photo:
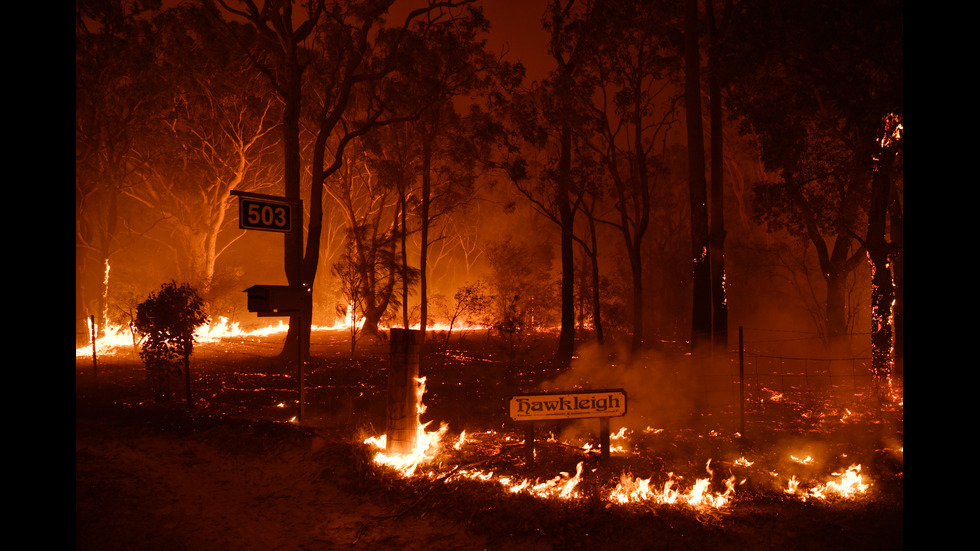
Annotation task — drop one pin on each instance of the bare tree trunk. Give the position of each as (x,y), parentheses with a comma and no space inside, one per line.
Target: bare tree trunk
(719,295)
(292,241)
(424,247)
(596,293)
(898,276)
(636,269)
(701,325)
(836,307)
(403,207)
(566,339)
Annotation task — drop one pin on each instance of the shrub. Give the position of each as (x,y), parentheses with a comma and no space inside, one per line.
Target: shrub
(166,322)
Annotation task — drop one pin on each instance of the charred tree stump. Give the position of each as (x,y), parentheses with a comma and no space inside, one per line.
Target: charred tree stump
(403,385)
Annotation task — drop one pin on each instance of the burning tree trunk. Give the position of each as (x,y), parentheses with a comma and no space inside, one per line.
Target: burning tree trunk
(880,252)
(116,92)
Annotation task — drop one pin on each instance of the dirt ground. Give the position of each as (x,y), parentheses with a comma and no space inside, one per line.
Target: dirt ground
(231,486)
(230,472)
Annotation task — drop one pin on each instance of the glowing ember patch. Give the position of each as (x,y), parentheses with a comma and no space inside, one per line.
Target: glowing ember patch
(773,395)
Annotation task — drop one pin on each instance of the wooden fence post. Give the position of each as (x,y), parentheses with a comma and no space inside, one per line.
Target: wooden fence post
(403,385)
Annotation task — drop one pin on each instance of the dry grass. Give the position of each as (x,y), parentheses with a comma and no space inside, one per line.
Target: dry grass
(244,398)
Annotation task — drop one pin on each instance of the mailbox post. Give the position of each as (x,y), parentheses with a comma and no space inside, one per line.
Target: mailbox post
(282,215)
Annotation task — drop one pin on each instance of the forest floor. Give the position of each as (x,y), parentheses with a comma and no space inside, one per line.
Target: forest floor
(232,469)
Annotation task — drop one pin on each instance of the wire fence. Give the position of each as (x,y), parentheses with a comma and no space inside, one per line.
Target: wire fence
(790,364)
(764,371)
(781,371)
(120,359)
(765,374)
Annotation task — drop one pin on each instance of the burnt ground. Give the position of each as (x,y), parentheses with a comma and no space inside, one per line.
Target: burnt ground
(230,471)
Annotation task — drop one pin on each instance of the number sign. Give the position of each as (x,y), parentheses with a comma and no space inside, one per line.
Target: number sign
(265,215)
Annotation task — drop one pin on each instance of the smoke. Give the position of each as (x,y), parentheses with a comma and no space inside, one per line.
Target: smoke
(659,391)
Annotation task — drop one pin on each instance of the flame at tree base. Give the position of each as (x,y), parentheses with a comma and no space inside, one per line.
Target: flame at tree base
(426,449)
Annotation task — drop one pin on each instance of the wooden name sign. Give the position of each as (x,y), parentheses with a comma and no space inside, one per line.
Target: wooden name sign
(568,405)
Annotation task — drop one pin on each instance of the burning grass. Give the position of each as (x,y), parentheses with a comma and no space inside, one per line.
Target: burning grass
(570,499)
(801,467)
(654,469)
(574,472)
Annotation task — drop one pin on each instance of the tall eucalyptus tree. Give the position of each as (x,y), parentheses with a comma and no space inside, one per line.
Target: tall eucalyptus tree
(835,70)
(214,134)
(633,113)
(335,66)
(116,100)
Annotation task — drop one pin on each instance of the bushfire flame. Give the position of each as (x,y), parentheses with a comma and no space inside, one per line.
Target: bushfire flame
(119,338)
(427,443)
(637,490)
(848,485)
(706,493)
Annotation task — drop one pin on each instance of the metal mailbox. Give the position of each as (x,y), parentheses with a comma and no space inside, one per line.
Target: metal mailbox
(274,300)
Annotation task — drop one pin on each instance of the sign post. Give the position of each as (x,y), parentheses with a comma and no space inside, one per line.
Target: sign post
(278,214)
(554,406)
